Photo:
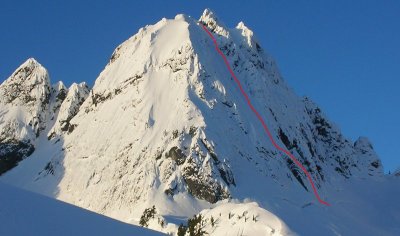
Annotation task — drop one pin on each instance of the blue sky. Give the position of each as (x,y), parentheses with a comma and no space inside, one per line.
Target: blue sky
(343,54)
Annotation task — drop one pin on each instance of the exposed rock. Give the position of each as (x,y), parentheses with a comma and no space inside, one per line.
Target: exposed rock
(12,152)
(176,154)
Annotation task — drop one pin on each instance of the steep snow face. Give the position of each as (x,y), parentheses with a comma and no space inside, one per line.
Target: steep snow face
(166,125)
(139,136)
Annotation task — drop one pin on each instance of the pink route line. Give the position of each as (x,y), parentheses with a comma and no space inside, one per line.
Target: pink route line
(262,120)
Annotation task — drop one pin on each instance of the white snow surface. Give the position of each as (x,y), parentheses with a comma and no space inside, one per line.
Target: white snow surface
(242,219)
(27,213)
(166,125)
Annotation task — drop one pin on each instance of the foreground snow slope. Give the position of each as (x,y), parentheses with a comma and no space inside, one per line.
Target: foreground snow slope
(27,213)
(166,125)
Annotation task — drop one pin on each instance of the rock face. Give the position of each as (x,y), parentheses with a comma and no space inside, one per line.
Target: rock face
(12,152)
(165,124)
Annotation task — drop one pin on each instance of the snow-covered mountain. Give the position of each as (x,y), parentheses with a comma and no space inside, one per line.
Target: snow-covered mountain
(166,125)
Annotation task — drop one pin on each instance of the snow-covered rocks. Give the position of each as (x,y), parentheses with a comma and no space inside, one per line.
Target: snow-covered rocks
(30,107)
(210,19)
(24,101)
(367,158)
(24,98)
(72,101)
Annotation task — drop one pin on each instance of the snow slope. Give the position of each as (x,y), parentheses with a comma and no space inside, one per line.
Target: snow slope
(166,125)
(27,213)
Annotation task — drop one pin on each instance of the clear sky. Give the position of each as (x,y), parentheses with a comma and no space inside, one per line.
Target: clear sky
(343,54)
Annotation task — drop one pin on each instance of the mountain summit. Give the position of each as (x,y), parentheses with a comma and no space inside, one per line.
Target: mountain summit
(166,125)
